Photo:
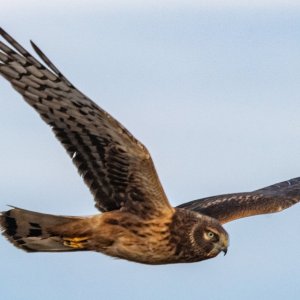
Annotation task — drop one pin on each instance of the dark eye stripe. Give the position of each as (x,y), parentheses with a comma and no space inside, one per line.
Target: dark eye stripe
(216,238)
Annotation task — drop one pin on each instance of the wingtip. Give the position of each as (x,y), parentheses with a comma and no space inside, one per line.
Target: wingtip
(2,31)
(35,47)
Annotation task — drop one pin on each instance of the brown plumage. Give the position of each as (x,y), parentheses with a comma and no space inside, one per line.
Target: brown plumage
(137,222)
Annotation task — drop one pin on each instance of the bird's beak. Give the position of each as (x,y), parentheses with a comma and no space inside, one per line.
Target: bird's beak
(225,246)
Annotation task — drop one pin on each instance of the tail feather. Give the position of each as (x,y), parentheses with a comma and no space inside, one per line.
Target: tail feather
(30,231)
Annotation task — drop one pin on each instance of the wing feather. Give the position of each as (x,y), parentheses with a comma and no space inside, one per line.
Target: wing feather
(116,167)
(270,199)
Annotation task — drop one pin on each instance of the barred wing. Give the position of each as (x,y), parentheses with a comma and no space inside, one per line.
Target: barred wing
(116,167)
(271,199)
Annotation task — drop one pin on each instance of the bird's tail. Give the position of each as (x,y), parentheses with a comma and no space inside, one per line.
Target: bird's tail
(34,232)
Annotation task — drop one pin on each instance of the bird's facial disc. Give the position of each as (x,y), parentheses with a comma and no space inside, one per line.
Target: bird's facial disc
(211,239)
(218,239)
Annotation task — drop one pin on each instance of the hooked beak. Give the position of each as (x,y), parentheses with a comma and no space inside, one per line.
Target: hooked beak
(225,246)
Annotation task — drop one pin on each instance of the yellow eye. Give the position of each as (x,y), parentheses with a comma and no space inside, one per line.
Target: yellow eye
(210,234)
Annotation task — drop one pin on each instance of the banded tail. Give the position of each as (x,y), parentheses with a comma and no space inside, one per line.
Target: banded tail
(33,232)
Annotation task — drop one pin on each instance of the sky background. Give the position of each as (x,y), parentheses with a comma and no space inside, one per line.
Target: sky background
(211,88)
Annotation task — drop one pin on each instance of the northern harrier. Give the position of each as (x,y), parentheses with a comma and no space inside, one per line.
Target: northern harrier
(138,223)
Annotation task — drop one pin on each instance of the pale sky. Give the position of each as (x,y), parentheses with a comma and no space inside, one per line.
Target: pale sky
(212,91)
(126,5)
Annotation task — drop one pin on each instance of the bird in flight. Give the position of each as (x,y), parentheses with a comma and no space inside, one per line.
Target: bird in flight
(137,222)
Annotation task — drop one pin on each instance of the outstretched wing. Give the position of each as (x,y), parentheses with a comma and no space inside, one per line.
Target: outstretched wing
(271,199)
(116,167)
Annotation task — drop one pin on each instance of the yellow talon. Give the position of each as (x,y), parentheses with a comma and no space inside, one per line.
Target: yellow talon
(76,242)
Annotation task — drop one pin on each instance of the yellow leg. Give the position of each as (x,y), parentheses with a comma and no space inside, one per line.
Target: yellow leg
(77,242)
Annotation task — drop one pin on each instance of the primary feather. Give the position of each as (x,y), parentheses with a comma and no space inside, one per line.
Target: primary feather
(116,167)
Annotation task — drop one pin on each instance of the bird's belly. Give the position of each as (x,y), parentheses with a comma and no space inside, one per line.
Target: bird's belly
(149,253)
(148,250)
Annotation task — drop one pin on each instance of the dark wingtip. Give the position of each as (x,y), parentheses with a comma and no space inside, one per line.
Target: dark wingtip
(37,50)
(4,34)
(34,46)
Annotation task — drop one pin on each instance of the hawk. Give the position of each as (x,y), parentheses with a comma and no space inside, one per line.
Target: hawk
(137,222)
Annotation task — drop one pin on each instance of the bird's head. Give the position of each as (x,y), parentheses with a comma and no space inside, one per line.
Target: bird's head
(209,237)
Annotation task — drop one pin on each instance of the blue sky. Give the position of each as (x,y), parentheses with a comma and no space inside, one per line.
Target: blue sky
(212,89)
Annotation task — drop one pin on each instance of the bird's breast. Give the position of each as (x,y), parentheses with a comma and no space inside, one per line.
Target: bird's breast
(145,241)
